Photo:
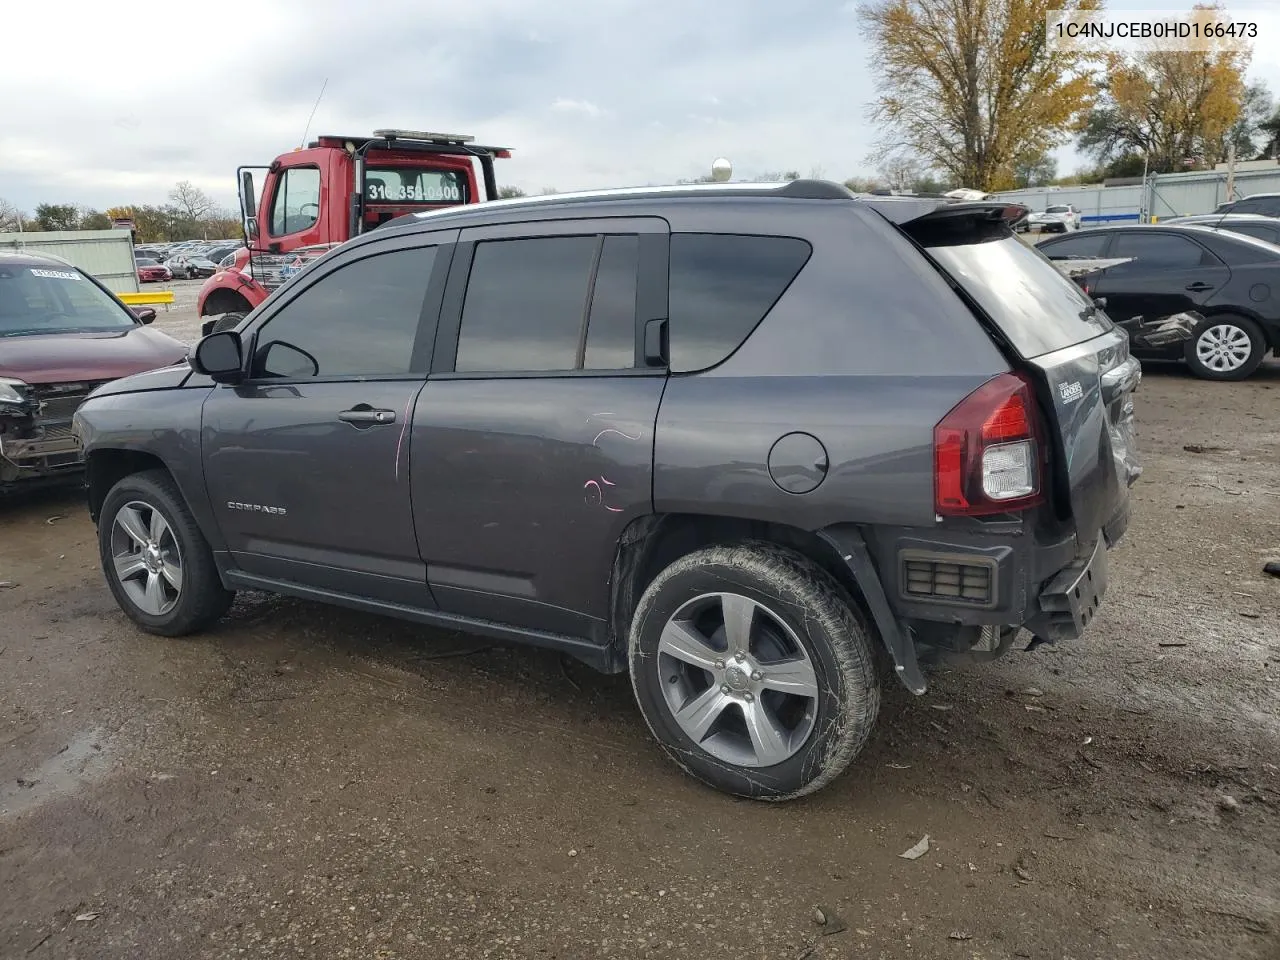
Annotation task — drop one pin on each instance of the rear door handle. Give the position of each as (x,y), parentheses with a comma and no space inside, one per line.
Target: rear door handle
(1199,286)
(363,414)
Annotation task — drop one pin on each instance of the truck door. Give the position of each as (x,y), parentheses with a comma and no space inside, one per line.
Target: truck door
(533,440)
(307,460)
(295,213)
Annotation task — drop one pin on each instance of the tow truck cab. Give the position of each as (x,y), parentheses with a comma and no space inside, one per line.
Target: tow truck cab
(315,197)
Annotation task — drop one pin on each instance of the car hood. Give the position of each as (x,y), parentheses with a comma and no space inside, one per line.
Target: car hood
(66,357)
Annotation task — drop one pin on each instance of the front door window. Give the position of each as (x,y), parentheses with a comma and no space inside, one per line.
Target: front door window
(296,206)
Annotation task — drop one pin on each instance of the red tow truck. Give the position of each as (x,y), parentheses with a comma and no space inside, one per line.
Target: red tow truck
(316,197)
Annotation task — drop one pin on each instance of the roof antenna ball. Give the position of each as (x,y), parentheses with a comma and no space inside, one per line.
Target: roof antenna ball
(721,169)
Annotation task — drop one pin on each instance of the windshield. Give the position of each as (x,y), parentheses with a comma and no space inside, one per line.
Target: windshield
(415,185)
(1036,307)
(145,262)
(40,300)
(1057,210)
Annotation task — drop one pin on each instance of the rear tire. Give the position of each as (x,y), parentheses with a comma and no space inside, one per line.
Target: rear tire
(228,321)
(157,563)
(787,716)
(1225,347)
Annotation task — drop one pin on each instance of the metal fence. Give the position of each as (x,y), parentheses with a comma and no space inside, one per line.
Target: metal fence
(105,254)
(1162,196)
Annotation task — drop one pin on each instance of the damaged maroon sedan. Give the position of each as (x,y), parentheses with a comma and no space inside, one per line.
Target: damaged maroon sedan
(61,335)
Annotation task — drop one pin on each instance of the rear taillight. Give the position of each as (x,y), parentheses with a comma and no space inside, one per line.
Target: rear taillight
(987,451)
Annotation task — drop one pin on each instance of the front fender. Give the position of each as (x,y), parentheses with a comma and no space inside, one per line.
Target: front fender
(164,429)
(229,291)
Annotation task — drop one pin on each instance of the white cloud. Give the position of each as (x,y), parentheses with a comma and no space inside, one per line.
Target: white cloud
(584,107)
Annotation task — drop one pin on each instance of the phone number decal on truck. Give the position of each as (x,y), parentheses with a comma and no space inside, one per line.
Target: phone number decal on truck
(438,193)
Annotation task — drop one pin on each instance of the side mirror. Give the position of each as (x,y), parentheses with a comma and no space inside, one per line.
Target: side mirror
(220,357)
(247,198)
(251,227)
(145,314)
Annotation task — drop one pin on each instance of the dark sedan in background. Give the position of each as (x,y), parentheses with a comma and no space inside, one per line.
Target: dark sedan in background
(1254,225)
(1232,280)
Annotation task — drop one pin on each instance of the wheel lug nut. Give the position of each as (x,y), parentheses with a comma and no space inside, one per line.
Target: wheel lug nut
(756,675)
(724,688)
(719,664)
(739,656)
(748,697)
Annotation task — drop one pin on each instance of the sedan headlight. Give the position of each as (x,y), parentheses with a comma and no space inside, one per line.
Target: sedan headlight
(12,391)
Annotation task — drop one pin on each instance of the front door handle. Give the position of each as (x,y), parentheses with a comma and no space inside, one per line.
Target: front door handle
(1199,286)
(364,415)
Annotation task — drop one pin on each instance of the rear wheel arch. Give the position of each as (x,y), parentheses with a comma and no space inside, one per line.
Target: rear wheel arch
(651,543)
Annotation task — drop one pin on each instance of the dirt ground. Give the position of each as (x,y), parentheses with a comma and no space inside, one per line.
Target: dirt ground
(305,781)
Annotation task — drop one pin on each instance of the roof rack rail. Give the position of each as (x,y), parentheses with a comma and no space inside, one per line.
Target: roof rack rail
(816,190)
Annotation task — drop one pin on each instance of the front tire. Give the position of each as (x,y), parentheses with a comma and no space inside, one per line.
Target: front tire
(1225,348)
(228,321)
(753,672)
(157,563)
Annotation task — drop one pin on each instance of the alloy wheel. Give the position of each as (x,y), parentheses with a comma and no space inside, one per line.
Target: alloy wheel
(737,680)
(146,558)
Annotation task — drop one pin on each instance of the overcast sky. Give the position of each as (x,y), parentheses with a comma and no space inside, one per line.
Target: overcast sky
(113,102)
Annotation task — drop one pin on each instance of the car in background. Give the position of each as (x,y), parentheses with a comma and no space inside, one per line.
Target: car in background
(1231,280)
(1250,224)
(1265,204)
(218,254)
(152,271)
(62,334)
(1057,218)
(190,267)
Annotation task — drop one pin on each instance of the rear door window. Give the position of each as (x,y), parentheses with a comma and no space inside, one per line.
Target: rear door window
(1083,246)
(721,287)
(1027,297)
(1156,251)
(1259,230)
(524,305)
(611,329)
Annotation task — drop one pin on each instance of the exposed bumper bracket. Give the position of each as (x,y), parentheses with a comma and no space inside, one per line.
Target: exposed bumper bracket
(896,635)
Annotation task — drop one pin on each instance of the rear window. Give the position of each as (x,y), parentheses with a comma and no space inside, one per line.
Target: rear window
(721,287)
(409,185)
(1032,303)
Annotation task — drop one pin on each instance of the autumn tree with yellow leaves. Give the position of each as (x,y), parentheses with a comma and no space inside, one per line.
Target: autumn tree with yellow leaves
(973,86)
(1178,108)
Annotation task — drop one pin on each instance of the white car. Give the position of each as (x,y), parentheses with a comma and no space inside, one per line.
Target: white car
(1058,218)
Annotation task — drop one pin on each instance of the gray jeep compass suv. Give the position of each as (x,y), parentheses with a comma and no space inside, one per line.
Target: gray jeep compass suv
(745,442)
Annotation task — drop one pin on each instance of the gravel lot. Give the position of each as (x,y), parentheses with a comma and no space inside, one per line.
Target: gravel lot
(305,781)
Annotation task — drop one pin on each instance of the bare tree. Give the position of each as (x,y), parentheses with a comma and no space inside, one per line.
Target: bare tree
(901,171)
(11,218)
(193,202)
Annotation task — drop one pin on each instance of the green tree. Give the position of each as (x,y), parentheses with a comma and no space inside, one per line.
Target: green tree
(1171,105)
(91,219)
(510,193)
(57,216)
(970,86)
(1034,170)
(1270,129)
